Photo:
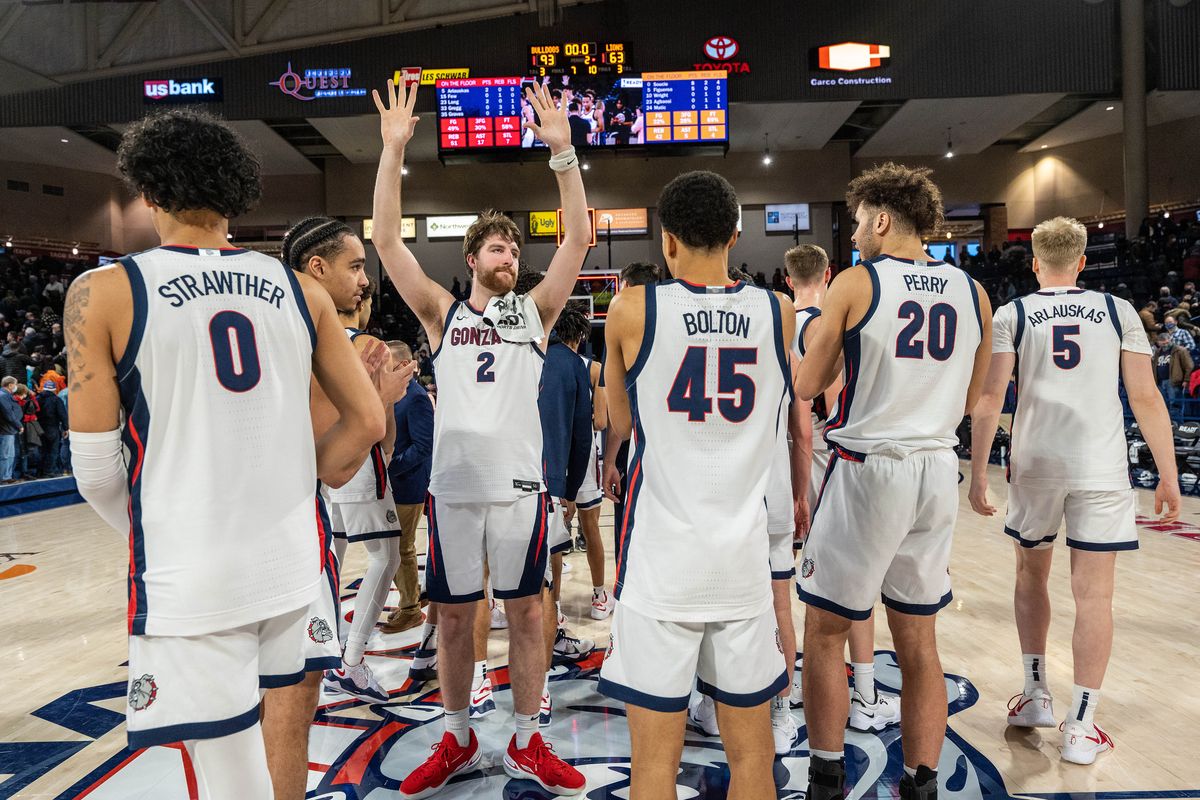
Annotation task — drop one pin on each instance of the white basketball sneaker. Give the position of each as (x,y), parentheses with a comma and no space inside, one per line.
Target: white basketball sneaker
(1082,743)
(482,703)
(602,604)
(356,681)
(570,649)
(796,698)
(783,727)
(546,712)
(1033,710)
(875,716)
(703,714)
(499,620)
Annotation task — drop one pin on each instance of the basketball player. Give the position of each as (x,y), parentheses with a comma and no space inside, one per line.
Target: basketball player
(807,268)
(487,494)
(1070,350)
(697,369)
(916,335)
(590,496)
(327,250)
(204,350)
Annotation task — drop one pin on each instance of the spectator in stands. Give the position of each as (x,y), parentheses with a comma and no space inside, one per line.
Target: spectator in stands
(1177,334)
(777,284)
(13,361)
(10,428)
(52,416)
(1173,366)
(1149,316)
(53,375)
(31,433)
(1166,299)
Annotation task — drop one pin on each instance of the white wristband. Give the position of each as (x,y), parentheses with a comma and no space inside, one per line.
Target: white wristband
(564,161)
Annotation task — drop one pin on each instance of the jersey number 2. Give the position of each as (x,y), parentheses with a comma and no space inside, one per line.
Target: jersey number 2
(240,374)
(687,395)
(486,360)
(943,325)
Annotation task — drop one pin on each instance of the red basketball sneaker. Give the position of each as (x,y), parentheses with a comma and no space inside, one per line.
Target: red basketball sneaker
(539,764)
(447,760)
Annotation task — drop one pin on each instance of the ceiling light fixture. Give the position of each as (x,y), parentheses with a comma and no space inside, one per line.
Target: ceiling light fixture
(949,235)
(8,242)
(75,250)
(586,165)
(1101,225)
(1045,146)
(64,141)
(766,157)
(949,145)
(1110,108)
(404,170)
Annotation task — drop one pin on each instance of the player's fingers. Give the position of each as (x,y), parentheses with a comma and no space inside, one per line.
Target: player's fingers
(411,100)
(378,100)
(1158,505)
(532,96)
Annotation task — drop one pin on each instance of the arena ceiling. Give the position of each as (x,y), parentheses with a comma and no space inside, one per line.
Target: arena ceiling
(44,43)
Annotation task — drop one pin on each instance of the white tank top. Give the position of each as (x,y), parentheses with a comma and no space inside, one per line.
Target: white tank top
(804,317)
(487,432)
(370,482)
(222,467)
(908,362)
(1069,427)
(706,392)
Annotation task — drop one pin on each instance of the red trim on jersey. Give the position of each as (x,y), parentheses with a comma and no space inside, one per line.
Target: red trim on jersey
(633,479)
(706,286)
(134,475)
(198,247)
(322,534)
(380,472)
(432,555)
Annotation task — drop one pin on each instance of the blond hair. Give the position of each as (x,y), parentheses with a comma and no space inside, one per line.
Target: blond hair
(806,263)
(1058,243)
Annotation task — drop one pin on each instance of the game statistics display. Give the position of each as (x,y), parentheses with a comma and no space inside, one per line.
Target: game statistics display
(578,58)
(656,109)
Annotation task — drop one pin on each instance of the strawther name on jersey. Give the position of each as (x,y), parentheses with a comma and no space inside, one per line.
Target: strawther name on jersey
(189,287)
(1063,310)
(714,321)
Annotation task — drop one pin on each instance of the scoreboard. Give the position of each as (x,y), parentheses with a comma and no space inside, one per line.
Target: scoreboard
(479,113)
(685,106)
(577,58)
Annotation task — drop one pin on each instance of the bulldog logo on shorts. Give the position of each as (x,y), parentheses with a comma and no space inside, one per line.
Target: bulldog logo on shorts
(807,567)
(319,630)
(391,517)
(142,693)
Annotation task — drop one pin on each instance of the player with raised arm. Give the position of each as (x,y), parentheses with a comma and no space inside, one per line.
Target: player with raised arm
(916,335)
(696,367)
(487,493)
(1070,350)
(190,357)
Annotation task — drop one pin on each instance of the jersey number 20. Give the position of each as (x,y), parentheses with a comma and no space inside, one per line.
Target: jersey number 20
(943,325)
(227,330)
(688,392)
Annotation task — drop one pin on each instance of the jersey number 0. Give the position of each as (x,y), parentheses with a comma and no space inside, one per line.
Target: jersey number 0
(227,330)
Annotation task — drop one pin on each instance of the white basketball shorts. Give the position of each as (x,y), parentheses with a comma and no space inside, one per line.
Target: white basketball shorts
(654,663)
(783,557)
(1099,520)
(511,535)
(590,495)
(559,534)
(369,519)
(882,526)
(208,686)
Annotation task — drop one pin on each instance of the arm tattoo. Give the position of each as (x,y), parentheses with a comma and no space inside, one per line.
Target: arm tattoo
(78,296)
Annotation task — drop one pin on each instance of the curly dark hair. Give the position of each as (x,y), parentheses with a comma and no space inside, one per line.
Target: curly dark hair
(314,236)
(739,274)
(527,278)
(188,160)
(640,273)
(907,193)
(572,325)
(700,209)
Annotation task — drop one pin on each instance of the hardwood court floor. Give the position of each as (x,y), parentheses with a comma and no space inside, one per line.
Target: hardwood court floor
(61,719)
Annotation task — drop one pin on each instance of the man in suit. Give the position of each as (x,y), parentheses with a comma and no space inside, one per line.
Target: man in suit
(409,475)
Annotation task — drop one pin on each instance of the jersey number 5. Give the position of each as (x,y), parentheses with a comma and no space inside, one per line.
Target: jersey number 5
(1066,352)
(943,326)
(688,392)
(227,330)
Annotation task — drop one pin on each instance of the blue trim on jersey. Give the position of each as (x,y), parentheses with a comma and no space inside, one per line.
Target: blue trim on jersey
(354,333)
(332,571)
(322,663)
(814,313)
(135,436)
(1102,547)
(1046,293)
(747,700)
(1029,542)
(635,480)
(141,308)
(445,328)
(696,288)
(852,349)
(534,573)
(188,731)
(974,300)
(279,681)
(918,609)
(1012,426)
(189,250)
(301,303)
(783,575)
(932,262)
(1020,323)
(1112,316)
(781,347)
(647,335)
(540,354)
(833,459)
(869,266)
(848,454)
(828,605)
(633,697)
(364,537)
(590,503)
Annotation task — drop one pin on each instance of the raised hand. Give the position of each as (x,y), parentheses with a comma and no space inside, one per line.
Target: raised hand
(553,128)
(396,120)
(373,357)
(392,381)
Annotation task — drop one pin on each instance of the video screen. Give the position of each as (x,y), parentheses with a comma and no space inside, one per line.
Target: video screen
(603,110)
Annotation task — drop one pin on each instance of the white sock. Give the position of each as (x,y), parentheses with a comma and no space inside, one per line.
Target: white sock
(558,607)
(479,676)
(596,591)
(546,685)
(864,681)
(1083,705)
(910,771)
(779,709)
(428,636)
(1035,672)
(459,723)
(527,726)
(828,755)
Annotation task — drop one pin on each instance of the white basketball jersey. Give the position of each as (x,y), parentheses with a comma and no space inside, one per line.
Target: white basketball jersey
(1069,428)
(487,432)
(222,466)
(804,318)
(706,392)
(908,362)
(370,482)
